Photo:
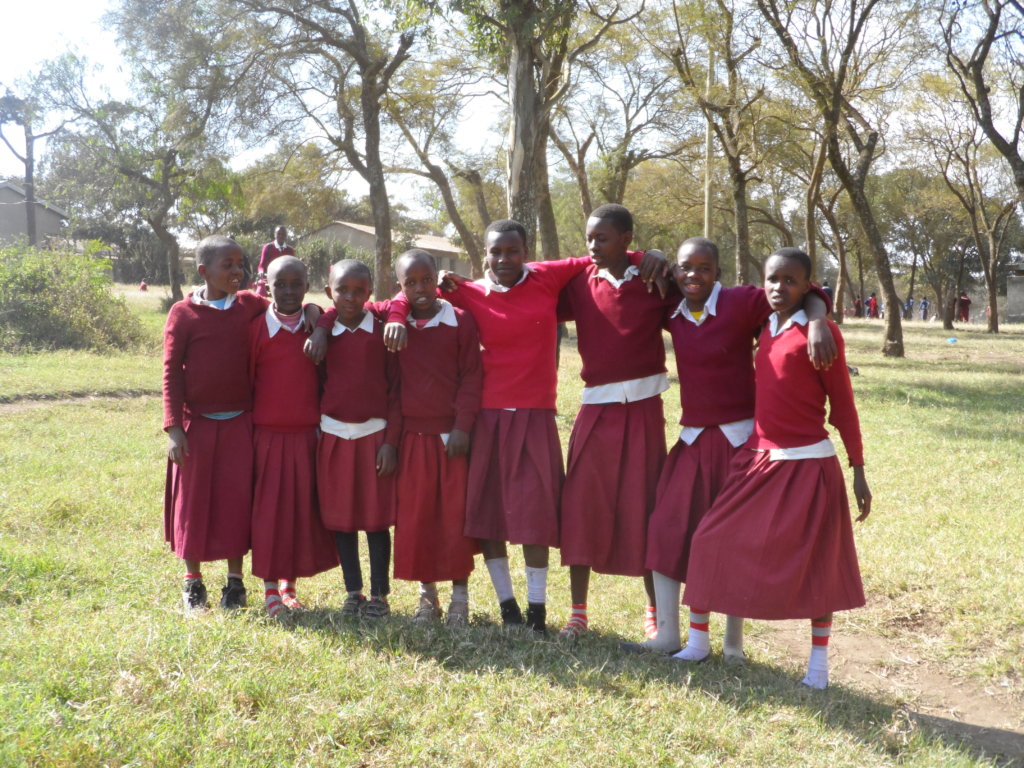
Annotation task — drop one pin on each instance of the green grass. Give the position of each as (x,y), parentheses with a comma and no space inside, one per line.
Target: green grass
(98,666)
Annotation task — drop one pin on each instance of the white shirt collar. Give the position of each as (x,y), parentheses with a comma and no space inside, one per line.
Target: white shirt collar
(365,325)
(603,274)
(490,283)
(797,318)
(446,316)
(274,324)
(710,306)
(199,297)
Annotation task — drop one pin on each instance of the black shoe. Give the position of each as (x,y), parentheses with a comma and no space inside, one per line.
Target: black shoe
(194,595)
(510,613)
(233,594)
(536,617)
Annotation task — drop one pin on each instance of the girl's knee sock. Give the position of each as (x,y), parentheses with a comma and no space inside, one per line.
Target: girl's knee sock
(698,643)
(428,591)
(272,598)
(666,597)
(460,593)
(733,637)
(817,665)
(501,578)
(288,595)
(536,585)
(379,543)
(347,544)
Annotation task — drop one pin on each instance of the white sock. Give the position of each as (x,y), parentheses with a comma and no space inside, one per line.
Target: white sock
(536,584)
(698,642)
(817,665)
(501,578)
(666,597)
(428,591)
(733,637)
(460,593)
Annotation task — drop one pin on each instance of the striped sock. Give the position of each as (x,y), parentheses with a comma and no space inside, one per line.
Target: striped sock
(577,623)
(272,599)
(698,642)
(196,575)
(651,622)
(288,596)
(817,665)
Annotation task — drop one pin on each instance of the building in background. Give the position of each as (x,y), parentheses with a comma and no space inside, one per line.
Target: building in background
(447,255)
(13,220)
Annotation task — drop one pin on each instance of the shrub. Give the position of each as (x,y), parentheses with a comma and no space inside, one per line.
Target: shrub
(50,300)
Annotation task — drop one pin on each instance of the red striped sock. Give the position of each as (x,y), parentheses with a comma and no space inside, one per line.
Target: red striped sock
(272,599)
(577,623)
(288,595)
(651,622)
(196,575)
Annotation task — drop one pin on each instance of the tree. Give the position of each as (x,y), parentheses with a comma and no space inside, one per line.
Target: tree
(845,54)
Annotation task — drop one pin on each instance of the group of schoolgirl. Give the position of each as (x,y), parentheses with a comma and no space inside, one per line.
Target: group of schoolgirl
(749,509)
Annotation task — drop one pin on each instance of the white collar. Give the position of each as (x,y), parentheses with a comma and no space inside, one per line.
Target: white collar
(603,274)
(445,316)
(199,297)
(490,283)
(710,306)
(366,325)
(274,324)
(797,318)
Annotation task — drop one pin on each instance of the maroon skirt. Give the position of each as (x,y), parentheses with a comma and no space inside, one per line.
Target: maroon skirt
(352,496)
(690,482)
(615,455)
(515,477)
(431,488)
(208,499)
(288,539)
(777,543)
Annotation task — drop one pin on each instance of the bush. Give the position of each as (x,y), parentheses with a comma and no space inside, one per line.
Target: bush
(51,300)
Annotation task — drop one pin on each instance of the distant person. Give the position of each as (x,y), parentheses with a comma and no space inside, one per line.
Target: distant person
(964,307)
(924,308)
(908,309)
(827,290)
(873,306)
(276,247)
(858,307)
(143,287)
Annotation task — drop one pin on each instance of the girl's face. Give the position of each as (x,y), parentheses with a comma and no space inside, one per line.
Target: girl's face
(606,244)
(224,273)
(288,288)
(419,284)
(695,272)
(785,283)
(349,291)
(505,255)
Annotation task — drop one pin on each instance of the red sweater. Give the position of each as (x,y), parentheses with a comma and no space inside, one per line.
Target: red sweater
(285,383)
(791,395)
(442,377)
(206,358)
(619,329)
(517,331)
(361,380)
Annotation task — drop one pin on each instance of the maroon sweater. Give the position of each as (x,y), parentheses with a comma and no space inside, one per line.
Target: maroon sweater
(285,383)
(361,380)
(206,358)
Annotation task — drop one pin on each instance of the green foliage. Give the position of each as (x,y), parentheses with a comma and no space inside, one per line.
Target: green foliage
(52,300)
(320,253)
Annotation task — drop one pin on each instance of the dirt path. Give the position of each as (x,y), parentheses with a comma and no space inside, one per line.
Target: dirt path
(29,402)
(987,718)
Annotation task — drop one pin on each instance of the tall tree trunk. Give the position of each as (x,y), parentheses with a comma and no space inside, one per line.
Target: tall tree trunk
(578,165)
(30,187)
(545,210)
(810,203)
(992,283)
(374,174)
(522,132)
(739,208)
(172,252)
(469,238)
(913,275)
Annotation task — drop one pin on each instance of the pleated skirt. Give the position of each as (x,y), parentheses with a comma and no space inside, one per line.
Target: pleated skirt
(352,496)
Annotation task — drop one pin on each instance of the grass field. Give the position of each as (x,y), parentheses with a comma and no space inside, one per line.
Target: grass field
(98,667)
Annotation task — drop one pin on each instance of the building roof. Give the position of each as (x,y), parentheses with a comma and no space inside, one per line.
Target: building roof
(426,242)
(21,191)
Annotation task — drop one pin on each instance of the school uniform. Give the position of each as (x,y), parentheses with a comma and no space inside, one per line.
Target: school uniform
(359,412)
(288,537)
(442,379)
(515,464)
(206,392)
(618,439)
(778,541)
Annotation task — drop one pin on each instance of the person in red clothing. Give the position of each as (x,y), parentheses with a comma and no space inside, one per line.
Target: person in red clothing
(288,539)
(275,248)
(360,424)
(713,332)
(778,541)
(441,382)
(618,440)
(873,306)
(963,304)
(207,403)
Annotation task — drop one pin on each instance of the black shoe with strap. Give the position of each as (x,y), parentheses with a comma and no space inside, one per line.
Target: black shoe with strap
(510,613)
(536,617)
(233,594)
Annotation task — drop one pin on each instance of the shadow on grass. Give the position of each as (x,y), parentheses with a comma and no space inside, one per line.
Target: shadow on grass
(596,663)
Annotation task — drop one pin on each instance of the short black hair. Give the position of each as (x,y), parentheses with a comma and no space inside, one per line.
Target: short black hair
(618,215)
(209,247)
(506,225)
(412,256)
(284,262)
(705,244)
(350,265)
(796,254)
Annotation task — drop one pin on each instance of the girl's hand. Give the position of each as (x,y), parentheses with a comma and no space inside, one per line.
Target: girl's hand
(862,493)
(458,443)
(310,314)
(395,336)
(655,270)
(387,460)
(821,346)
(316,345)
(177,445)
(450,281)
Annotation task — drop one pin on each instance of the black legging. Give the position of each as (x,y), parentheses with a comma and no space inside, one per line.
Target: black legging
(379,544)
